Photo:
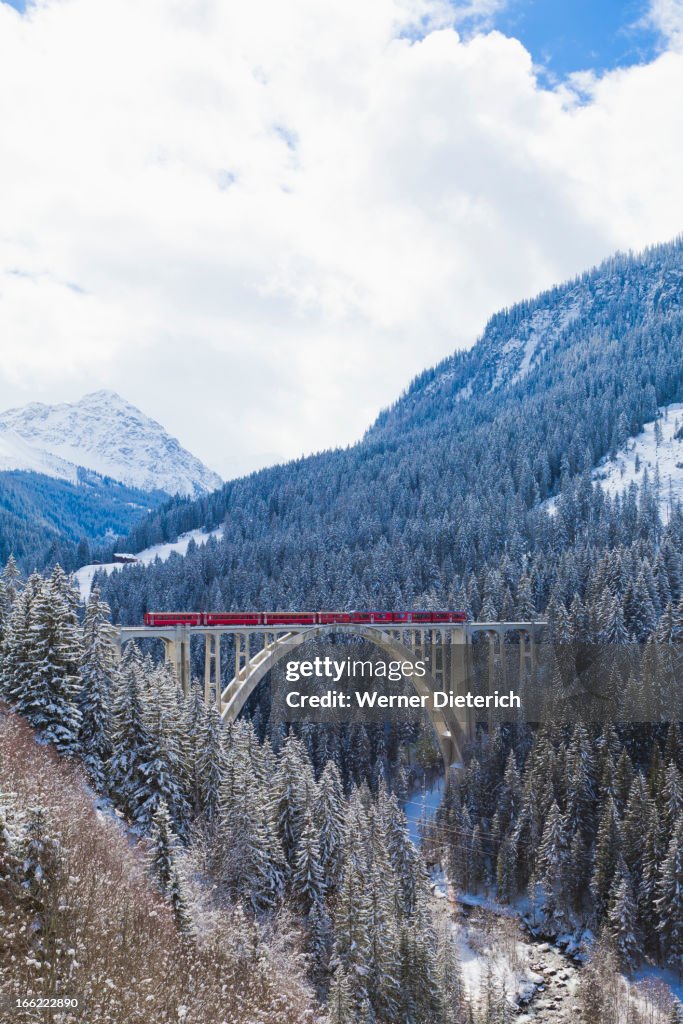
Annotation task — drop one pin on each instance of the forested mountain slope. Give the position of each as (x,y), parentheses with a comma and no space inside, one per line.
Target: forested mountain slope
(444,497)
(45,520)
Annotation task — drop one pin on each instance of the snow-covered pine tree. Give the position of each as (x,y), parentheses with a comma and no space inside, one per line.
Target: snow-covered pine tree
(293,792)
(16,667)
(671,797)
(552,869)
(665,627)
(449,973)
(526,604)
(420,995)
(10,586)
(673,748)
(127,773)
(606,860)
(341,1009)
(669,902)
(245,847)
(384,918)
(163,845)
(98,670)
(622,921)
(211,763)
(308,893)
(165,866)
(404,858)
(329,818)
(55,653)
(352,945)
(506,868)
(163,774)
(195,727)
(307,882)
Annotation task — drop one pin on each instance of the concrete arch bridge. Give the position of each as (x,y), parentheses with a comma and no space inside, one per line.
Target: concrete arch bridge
(444,647)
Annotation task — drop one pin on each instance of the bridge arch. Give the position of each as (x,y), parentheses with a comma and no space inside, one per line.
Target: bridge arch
(451,731)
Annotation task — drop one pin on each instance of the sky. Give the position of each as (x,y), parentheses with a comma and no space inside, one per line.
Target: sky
(258,221)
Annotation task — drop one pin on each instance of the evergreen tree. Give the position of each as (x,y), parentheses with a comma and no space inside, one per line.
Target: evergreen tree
(17,680)
(449,975)
(607,853)
(132,752)
(308,880)
(163,847)
(552,868)
(162,774)
(98,668)
(294,788)
(329,817)
(621,922)
(55,653)
(211,763)
(669,902)
(352,945)
(341,1009)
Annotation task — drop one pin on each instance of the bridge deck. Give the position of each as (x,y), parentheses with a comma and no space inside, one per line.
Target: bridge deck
(169,632)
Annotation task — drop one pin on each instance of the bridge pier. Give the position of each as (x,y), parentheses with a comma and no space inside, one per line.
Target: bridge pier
(212,668)
(177,654)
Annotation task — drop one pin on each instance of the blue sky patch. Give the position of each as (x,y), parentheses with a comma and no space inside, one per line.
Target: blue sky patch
(579,35)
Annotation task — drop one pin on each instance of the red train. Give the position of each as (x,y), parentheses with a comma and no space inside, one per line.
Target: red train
(298,618)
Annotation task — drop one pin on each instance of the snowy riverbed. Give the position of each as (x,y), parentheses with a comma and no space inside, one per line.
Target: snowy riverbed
(539,979)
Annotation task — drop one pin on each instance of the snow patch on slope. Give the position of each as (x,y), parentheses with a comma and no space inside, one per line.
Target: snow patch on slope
(104,433)
(16,453)
(647,452)
(84,576)
(520,354)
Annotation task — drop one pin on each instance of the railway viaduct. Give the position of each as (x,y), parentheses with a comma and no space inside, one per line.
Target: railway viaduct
(445,647)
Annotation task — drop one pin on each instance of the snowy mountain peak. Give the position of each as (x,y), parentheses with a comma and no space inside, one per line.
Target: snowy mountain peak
(104,433)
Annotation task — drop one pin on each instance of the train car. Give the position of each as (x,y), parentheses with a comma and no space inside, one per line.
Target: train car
(278,619)
(333,618)
(232,618)
(290,618)
(172,618)
(437,616)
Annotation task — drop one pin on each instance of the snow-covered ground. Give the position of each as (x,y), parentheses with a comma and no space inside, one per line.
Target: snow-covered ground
(84,576)
(646,451)
(16,453)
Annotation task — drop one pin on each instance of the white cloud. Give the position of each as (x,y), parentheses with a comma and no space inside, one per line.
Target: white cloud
(259,221)
(667,17)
